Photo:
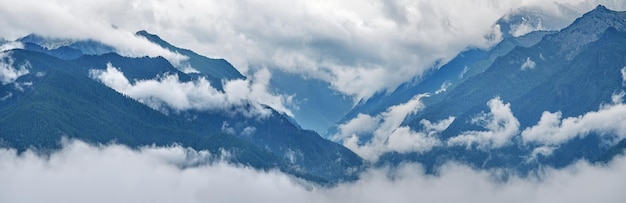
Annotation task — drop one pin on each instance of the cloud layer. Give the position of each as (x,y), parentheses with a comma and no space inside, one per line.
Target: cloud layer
(358,47)
(609,121)
(9,72)
(500,126)
(371,136)
(113,173)
(528,64)
(167,92)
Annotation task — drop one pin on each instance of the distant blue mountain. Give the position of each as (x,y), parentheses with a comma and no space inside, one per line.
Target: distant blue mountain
(64,48)
(319,106)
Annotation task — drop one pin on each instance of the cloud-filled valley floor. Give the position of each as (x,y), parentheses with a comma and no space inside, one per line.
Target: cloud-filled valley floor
(81,172)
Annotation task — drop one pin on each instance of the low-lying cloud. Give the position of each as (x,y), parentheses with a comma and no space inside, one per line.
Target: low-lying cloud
(609,121)
(168,92)
(9,71)
(76,21)
(371,136)
(4,46)
(500,126)
(528,64)
(525,28)
(114,173)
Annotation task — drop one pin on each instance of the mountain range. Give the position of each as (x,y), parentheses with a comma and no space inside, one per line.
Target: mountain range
(510,106)
(58,97)
(495,97)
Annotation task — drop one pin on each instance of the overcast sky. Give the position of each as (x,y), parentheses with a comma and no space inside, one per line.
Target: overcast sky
(359,47)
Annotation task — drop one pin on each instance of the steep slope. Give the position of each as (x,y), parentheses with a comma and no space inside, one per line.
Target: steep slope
(62,103)
(214,69)
(507,78)
(574,71)
(143,68)
(464,66)
(304,150)
(62,88)
(62,100)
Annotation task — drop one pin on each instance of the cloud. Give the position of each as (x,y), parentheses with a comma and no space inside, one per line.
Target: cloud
(525,28)
(168,92)
(113,173)
(361,124)
(371,136)
(500,125)
(529,64)
(9,72)
(542,150)
(608,121)
(4,46)
(446,84)
(403,139)
(359,47)
(67,19)
(247,131)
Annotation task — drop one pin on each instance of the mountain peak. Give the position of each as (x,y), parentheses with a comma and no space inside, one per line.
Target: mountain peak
(600,18)
(217,69)
(588,28)
(145,33)
(600,11)
(155,39)
(142,32)
(601,8)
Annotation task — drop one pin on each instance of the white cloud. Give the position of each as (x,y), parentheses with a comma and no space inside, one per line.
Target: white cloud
(248,131)
(403,139)
(359,47)
(168,92)
(78,21)
(10,45)
(9,72)
(5,97)
(361,124)
(446,84)
(227,129)
(542,150)
(371,136)
(462,74)
(528,64)
(525,28)
(500,125)
(609,121)
(114,173)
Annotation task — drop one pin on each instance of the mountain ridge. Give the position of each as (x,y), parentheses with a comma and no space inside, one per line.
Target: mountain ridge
(108,116)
